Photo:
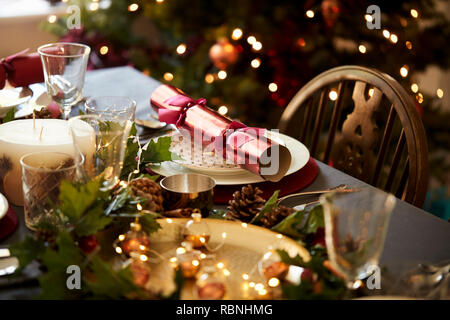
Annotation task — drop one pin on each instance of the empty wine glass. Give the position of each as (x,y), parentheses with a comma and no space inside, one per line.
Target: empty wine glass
(355,230)
(64,66)
(120,107)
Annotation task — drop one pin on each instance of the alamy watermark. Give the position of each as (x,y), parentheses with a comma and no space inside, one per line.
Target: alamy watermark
(374,22)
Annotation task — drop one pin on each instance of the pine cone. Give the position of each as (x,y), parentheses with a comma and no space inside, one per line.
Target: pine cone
(274,217)
(149,189)
(44,113)
(246,203)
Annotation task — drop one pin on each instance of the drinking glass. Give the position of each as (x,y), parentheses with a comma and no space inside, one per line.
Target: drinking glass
(120,107)
(355,230)
(42,174)
(64,66)
(102,141)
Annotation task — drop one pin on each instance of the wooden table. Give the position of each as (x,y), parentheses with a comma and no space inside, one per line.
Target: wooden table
(413,236)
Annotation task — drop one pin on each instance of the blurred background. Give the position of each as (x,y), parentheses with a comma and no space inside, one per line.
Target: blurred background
(249,58)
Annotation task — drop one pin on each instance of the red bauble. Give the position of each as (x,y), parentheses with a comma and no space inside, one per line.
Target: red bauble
(2,77)
(88,243)
(223,53)
(330,12)
(140,272)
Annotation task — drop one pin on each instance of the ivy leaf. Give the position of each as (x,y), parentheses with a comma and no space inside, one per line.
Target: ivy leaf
(158,151)
(149,223)
(92,221)
(268,206)
(53,283)
(27,251)
(77,198)
(105,282)
(10,115)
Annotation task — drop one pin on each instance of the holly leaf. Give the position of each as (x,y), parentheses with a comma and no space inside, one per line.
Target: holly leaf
(129,162)
(26,251)
(149,223)
(158,151)
(105,282)
(77,198)
(10,115)
(315,220)
(268,206)
(92,221)
(292,225)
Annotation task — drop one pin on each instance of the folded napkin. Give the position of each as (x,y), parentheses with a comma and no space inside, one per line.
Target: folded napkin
(238,144)
(21,69)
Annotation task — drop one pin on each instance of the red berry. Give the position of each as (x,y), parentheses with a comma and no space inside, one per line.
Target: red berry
(88,243)
(319,237)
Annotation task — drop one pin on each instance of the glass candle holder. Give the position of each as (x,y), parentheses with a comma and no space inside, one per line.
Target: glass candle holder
(64,66)
(109,106)
(42,174)
(102,141)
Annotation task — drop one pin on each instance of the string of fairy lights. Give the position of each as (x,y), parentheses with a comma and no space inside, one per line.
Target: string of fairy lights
(257,46)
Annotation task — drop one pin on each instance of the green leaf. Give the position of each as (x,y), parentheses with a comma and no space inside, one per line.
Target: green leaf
(27,251)
(92,221)
(129,162)
(77,198)
(292,225)
(149,223)
(10,115)
(315,220)
(179,281)
(105,282)
(158,151)
(218,214)
(268,206)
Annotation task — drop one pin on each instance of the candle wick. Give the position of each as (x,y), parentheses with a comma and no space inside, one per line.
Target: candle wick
(34,120)
(40,134)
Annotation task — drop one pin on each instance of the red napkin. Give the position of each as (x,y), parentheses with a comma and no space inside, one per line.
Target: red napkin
(8,223)
(21,69)
(289,184)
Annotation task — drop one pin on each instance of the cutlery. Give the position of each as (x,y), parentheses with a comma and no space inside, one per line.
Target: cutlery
(340,188)
(150,123)
(8,265)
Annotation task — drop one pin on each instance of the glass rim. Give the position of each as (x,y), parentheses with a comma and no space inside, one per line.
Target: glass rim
(74,166)
(54,44)
(132,103)
(95,117)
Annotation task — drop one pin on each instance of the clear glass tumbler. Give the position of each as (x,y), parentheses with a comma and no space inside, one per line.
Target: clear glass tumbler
(64,66)
(42,174)
(102,141)
(109,106)
(355,229)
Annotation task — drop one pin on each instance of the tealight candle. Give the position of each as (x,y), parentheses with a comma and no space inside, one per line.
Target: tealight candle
(21,137)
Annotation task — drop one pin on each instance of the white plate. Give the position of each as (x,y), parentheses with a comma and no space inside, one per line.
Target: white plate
(237,253)
(299,153)
(3,206)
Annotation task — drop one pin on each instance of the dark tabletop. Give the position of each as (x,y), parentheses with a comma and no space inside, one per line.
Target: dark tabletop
(413,235)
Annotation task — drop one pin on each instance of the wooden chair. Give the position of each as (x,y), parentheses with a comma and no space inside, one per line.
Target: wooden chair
(370,142)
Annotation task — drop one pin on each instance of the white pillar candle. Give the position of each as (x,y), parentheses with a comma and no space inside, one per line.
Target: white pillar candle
(20,137)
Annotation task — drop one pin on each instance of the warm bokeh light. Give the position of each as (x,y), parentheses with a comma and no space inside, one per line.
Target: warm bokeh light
(133,7)
(52,18)
(245,276)
(273,87)
(237,34)
(255,63)
(251,40)
(209,78)
(368,17)
(181,48)
(222,74)
(419,97)
(93,6)
(333,95)
(257,46)
(414,88)
(362,48)
(386,34)
(273,282)
(104,50)
(168,76)
(223,110)
(310,14)
(394,38)
(371,91)
(408,44)
(440,93)
(414,13)
(159,1)
(301,42)
(404,71)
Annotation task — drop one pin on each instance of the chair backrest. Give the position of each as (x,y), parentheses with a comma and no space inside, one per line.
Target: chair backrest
(370,142)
